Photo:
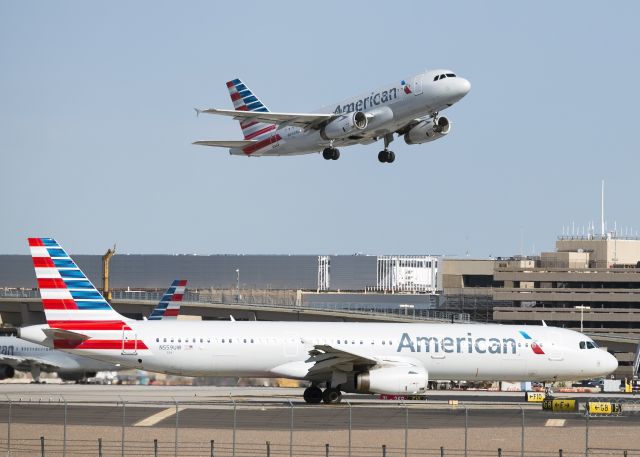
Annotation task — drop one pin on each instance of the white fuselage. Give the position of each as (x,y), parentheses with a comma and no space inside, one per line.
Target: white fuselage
(446,351)
(420,96)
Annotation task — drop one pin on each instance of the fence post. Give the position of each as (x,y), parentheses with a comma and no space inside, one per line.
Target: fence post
(175,446)
(625,453)
(522,434)
(441,451)
(124,418)
(99,447)
(291,431)
(155,447)
(406,430)
(326,450)
(466,428)
(384,450)
(268,448)
(349,403)
(559,452)
(499,452)
(233,444)
(9,431)
(64,431)
(42,446)
(586,435)
(212,447)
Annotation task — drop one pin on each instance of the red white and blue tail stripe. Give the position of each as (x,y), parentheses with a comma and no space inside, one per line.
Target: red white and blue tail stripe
(169,305)
(244,100)
(72,303)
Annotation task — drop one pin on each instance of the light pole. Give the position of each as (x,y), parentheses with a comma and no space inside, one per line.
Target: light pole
(582,308)
(237,284)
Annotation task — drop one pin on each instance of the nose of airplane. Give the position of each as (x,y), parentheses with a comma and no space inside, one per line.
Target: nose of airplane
(610,363)
(464,86)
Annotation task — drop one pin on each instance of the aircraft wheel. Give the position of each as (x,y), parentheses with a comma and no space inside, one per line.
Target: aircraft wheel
(335,155)
(382,156)
(327,153)
(331,396)
(312,394)
(391,156)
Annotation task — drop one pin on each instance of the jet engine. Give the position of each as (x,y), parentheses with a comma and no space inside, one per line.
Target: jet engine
(394,380)
(428,130)
(6,371)
(344,126)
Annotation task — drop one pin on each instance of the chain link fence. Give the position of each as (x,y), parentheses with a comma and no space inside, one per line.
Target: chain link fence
(56,427)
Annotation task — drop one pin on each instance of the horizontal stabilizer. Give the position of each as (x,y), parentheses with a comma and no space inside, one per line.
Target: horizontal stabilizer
(226,144)
(60,334)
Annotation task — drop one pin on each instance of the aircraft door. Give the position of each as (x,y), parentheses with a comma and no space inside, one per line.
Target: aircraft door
(129,343)
(417,85)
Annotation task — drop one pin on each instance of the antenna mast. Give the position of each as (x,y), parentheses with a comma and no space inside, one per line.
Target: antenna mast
(602,210)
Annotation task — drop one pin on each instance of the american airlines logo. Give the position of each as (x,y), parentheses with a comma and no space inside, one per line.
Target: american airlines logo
(369,102)
(463,344)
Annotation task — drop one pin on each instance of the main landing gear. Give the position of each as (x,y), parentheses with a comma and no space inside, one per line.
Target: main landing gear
(316,395)
(331,153)
(387,156)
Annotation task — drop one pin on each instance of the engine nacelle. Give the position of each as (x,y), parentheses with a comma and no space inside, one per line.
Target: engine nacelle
(344,126)
(397,380)
(6,371)
(427,131)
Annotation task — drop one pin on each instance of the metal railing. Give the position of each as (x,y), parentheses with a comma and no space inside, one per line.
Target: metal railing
(271,300)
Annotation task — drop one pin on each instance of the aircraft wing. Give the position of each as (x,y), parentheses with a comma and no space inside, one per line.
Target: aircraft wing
(327,358)
(313,121)
(226,144)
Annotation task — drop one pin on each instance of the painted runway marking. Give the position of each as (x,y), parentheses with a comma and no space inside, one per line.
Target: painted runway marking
(555,423)
(157,417)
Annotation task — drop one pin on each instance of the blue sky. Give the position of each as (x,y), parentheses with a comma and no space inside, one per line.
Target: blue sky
(97,120)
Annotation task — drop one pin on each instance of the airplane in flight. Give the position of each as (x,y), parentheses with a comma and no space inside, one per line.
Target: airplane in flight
(21,355)
(381,358)
(409,107)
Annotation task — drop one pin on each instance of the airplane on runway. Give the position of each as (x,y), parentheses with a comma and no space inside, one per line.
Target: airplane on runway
(409,107)
(21,355)
(385,358)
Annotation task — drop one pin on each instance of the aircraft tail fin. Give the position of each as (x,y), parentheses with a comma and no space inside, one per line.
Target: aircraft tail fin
(244,100)
(72,303)
(169,306)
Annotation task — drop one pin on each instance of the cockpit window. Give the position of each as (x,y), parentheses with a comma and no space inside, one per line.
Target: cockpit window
(583,345)
(450,75)
(590,345)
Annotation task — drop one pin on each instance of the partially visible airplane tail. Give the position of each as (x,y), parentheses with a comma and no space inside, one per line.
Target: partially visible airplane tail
(244,100)
(77,314)
(169,306)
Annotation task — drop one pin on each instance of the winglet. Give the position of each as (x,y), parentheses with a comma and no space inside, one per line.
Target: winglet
(198,111)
